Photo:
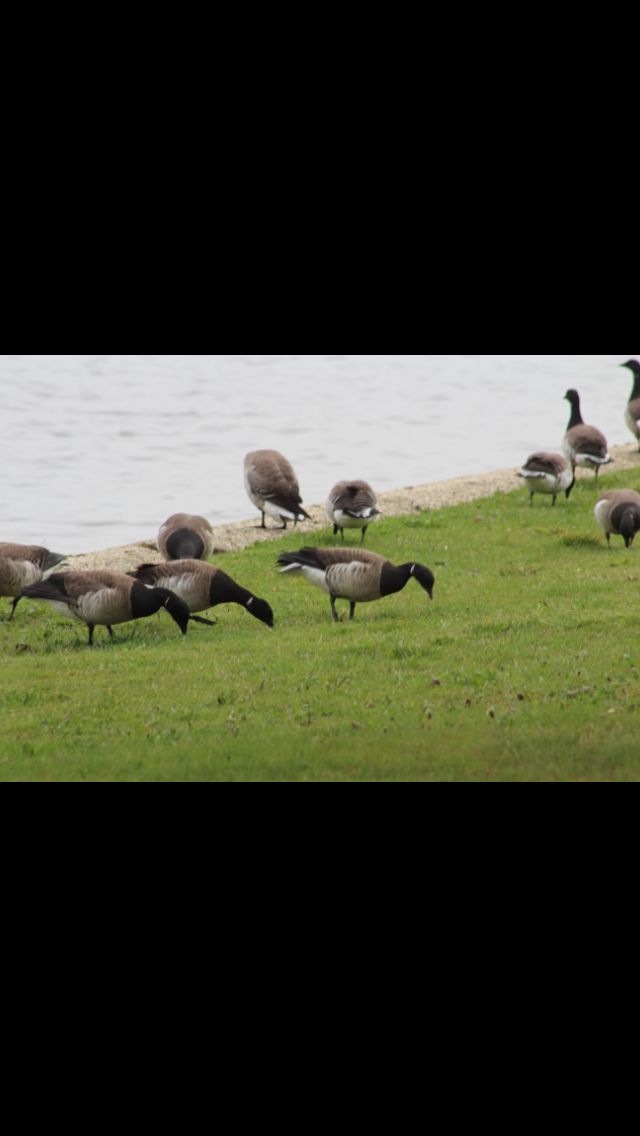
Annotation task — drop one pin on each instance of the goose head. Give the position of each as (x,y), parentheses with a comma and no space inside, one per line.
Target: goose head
(261,610)
(177,609)
(630,525)
(632,365)
(425,578)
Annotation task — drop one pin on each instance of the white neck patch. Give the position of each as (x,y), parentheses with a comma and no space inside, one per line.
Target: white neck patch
(250,602)
(413,570)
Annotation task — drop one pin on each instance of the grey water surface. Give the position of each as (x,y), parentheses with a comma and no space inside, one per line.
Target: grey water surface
(97,450)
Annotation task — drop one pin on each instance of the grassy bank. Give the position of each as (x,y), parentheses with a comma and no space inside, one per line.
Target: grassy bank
(526,667)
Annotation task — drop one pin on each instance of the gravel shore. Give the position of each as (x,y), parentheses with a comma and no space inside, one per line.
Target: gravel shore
(397,503)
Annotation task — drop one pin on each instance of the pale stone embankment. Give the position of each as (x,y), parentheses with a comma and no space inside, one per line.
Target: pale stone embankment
(397,503)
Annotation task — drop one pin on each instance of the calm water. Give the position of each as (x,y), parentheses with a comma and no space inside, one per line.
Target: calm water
(97,450)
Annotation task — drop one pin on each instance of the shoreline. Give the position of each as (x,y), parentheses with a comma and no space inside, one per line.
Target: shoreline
(238,535)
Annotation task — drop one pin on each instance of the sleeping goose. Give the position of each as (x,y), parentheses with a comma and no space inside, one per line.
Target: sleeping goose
(273,487)
(633,409)
(352,505)
(618,514)
(106,599)
(548,473)
(584,445)
(183,537)
(353,574)
(21,565)
(202,586)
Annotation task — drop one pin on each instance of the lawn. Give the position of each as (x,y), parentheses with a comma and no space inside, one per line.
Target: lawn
(525,668)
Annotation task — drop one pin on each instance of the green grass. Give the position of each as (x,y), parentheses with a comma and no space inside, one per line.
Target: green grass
(526,667)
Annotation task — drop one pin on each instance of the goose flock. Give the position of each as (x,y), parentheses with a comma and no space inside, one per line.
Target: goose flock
(186,585)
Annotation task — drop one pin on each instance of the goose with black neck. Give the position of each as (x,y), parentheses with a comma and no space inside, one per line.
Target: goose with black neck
(632,417)
(354,574)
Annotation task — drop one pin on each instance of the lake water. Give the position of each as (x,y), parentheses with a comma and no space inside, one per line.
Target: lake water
(98,450)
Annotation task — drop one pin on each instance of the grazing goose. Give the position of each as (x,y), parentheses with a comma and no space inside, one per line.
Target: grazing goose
(618,514)
(186,538)
(352,505)
(273,487)
(584,445)
(21,565)
(106,599)
(202,586)
(548,473)
(353,574)
(633,409)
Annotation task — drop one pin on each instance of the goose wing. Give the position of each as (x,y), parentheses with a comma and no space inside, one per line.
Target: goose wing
(355,498)
(588,441)
(189,579)
(549,464)
(325,558)
(16,575)
(271,478)
(46,561)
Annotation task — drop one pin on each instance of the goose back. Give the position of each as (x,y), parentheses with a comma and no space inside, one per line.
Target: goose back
(352,505)
(272,486)
(548,473)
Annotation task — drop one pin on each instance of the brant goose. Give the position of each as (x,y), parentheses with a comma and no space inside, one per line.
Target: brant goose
(584,445)
(202,586)
(353,574)
(633,409)
(186,538)
(106,599)
(618,514)
(21,565)
(548,473)
(273,487)
(352,505)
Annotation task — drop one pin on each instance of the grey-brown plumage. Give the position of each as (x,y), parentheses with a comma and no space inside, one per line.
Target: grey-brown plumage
(548,473)
(618,514)
(584,445)
(632,416)
(353,574)
(106,599)
(185,537)
(352,505)
(273,487)
(21,565)
(202,586)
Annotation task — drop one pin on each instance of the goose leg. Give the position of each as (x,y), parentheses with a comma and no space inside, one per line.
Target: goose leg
(264,522)
(110,630)
(532,500)
(336,530)
(364,532)
(13,608)
(554,502)
(353,611)
(609,539)
(336,618)
(92,628)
